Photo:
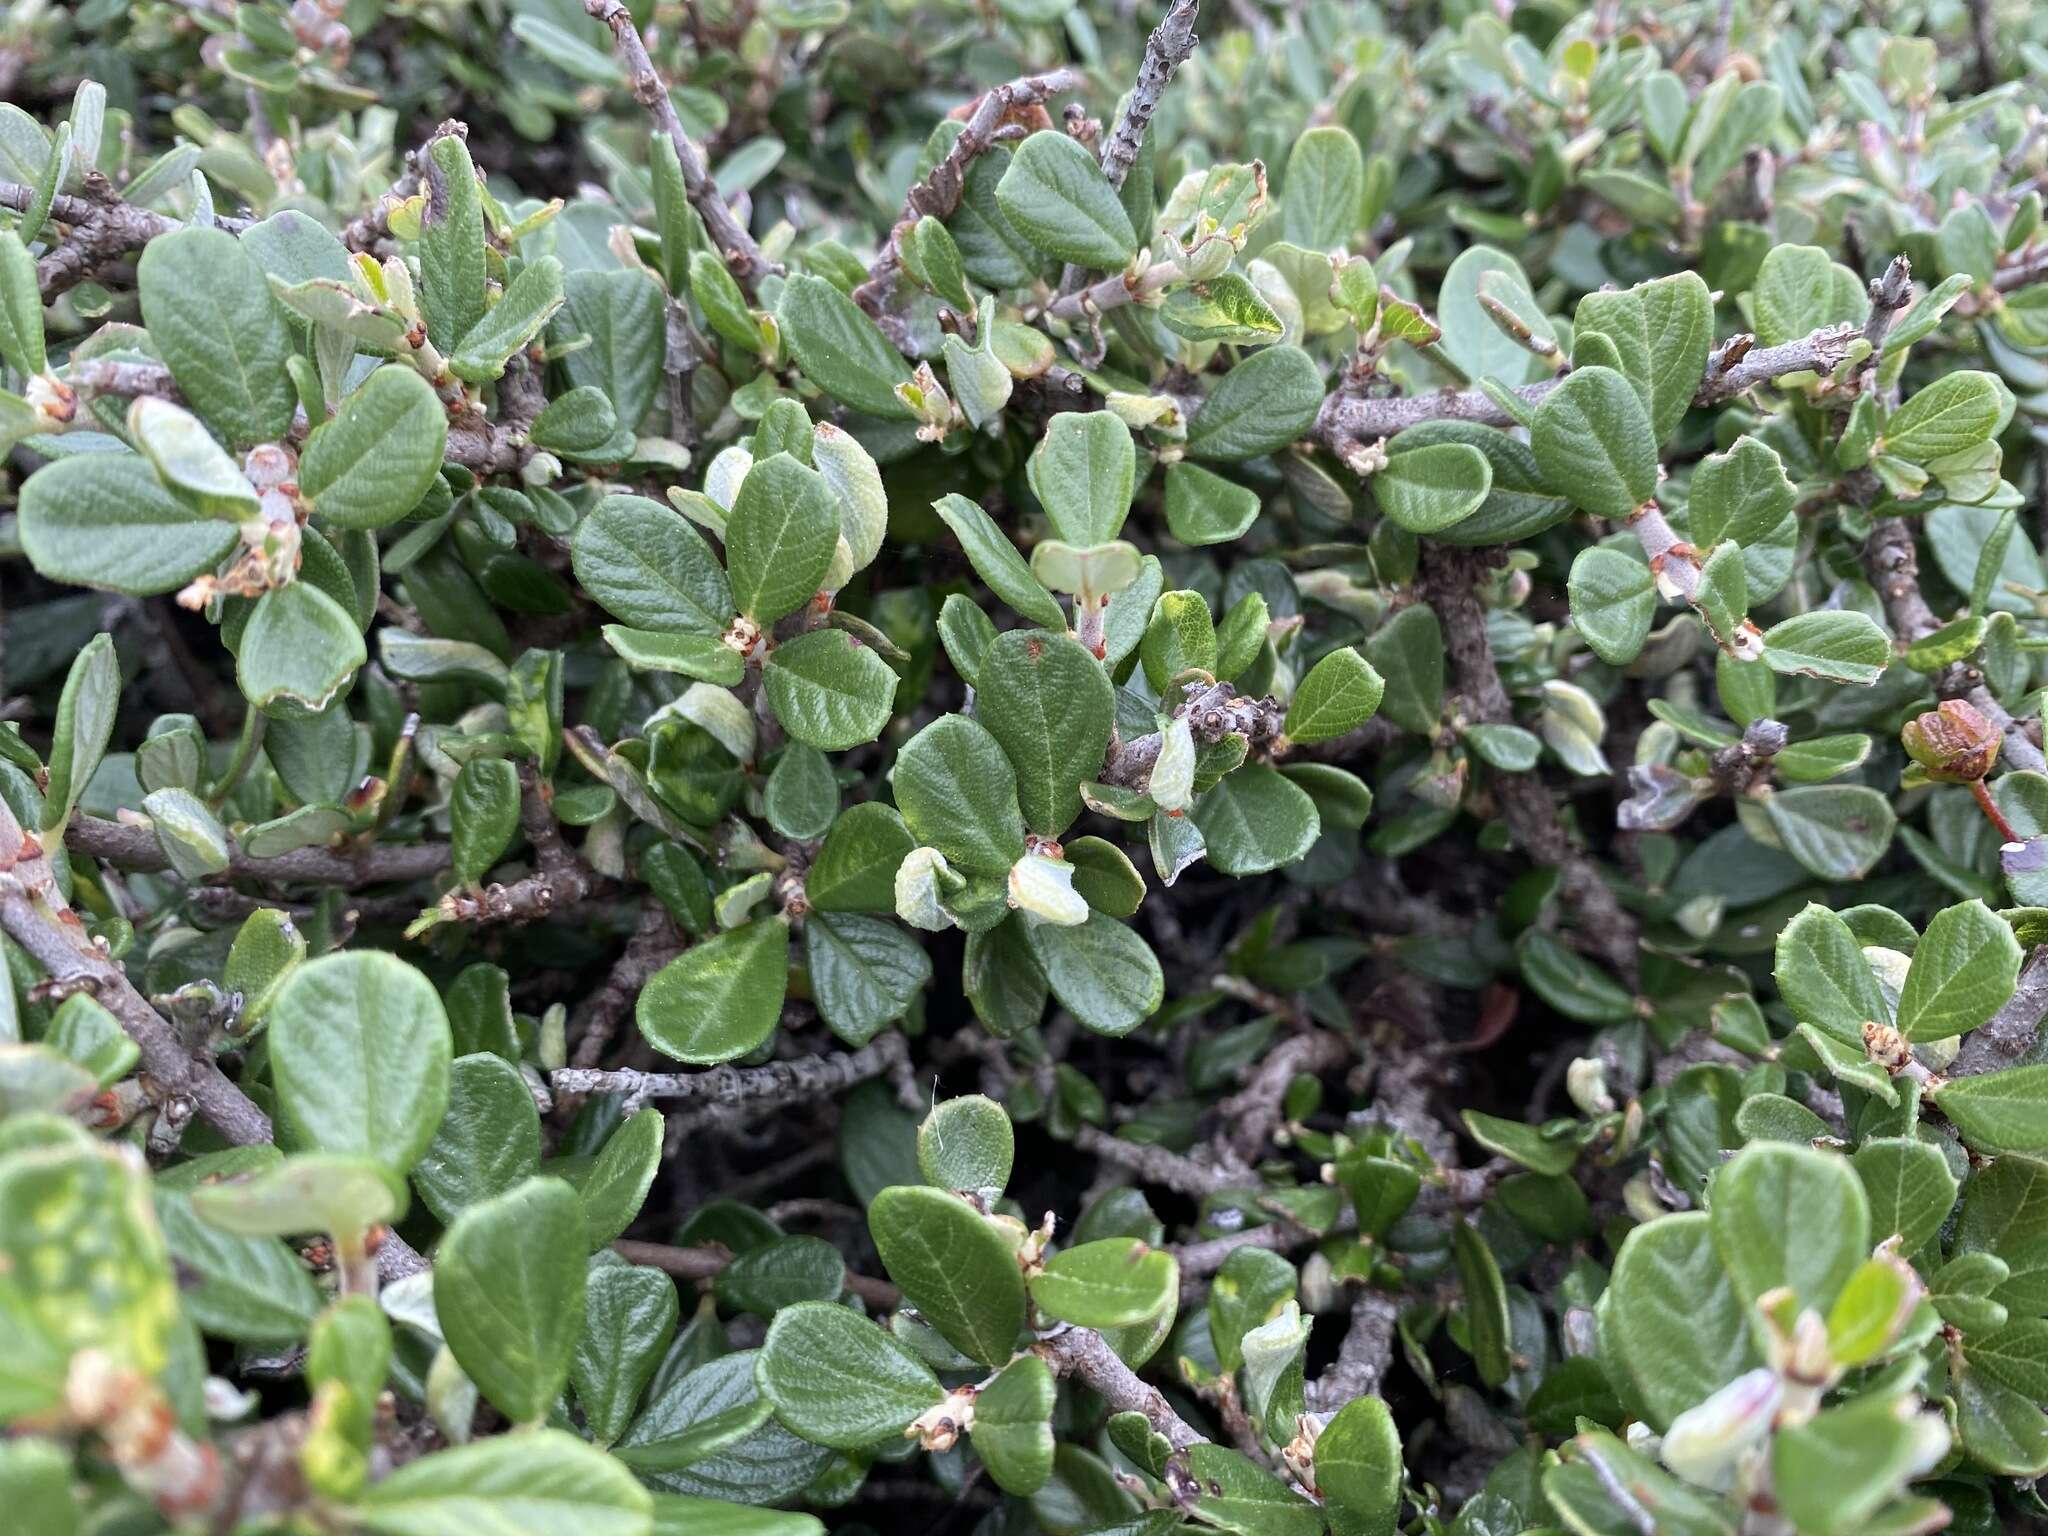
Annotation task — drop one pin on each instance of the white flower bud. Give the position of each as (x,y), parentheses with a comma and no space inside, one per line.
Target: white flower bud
(1705,1444)
(1586,1081)
(917,890)
(1044,887)
(1173,774)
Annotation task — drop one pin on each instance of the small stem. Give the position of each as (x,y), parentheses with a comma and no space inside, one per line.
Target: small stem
(355,1269)
(1992,813)
(246,743)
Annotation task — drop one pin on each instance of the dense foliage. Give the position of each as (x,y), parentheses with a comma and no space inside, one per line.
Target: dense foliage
(918,765)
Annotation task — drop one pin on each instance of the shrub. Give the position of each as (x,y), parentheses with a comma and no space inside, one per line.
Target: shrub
(1312,765)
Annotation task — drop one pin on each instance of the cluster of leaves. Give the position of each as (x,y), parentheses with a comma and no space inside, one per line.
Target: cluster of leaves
(1384,569)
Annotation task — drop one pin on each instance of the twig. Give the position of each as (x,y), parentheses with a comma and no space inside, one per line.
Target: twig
(1085,1356)
(1171,45)
(742,255)
(1447,583)
(2013,1030)
(705,1264)
(1252,1114)
(37,918)
(363,232)
(654,943)
(100,228)
(561,877)
(804,1077)
(137,848)
(1363,1357)
(1738,364)
(1159,1165)
(940,191)
(1206,1256)
(1213,711)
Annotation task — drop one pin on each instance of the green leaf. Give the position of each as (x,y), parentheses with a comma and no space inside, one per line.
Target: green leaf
(253,1290)
(781,1273)
(644,563)
(1672,1329)
(1910,1187)
(801,796)
(721,997)
(1055,195)
(1083,472)
(209,311)
(996,562)
(451,247)
(1340,693)
(620,311)
(754,1459)
(838,1380)
(629,1316)
(85,723)
(508,1289)
(1111,1283)
(966,1144)
(1823,977)
(1408,651)
(483,813)
(373,462)
(298,651)
(1472,338)
(829,690)
(1594,443)
(615,1184)
(1101,972)
(1963,971)
(953,1265)
(1267,401)
(1256,820)
(189,463)
(1837,831)
(306,1192)
(1832,1473)
(839,349)
(488,1141)
(1569,982)
(699,656)
(1799,289)
(1234,1493)
(958,794)
(1225,308)
(1660,331)
(1050,707)
(547,1483)
(1613,600)
(35,1480)
(1013,1426)
(1358,1469)
(104,520)
(359,1051)
(1325,190)
(1204,508)
(1954,413)
(865,973)
(21,308)
(1429,488)
(2000,1111)
(1785,1215)
(529,299)
(856,869)
(1745,495)
(779,537)
(1181,637)
(1837,646)
(1486,1303)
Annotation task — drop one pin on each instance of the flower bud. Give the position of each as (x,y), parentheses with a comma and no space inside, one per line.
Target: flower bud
(1705,1443)
(917,889)
(1173,772)
(1953,743)
(1586,1081)
(1044,887)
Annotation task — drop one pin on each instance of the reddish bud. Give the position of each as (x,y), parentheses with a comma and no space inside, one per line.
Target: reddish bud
(1954,744)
